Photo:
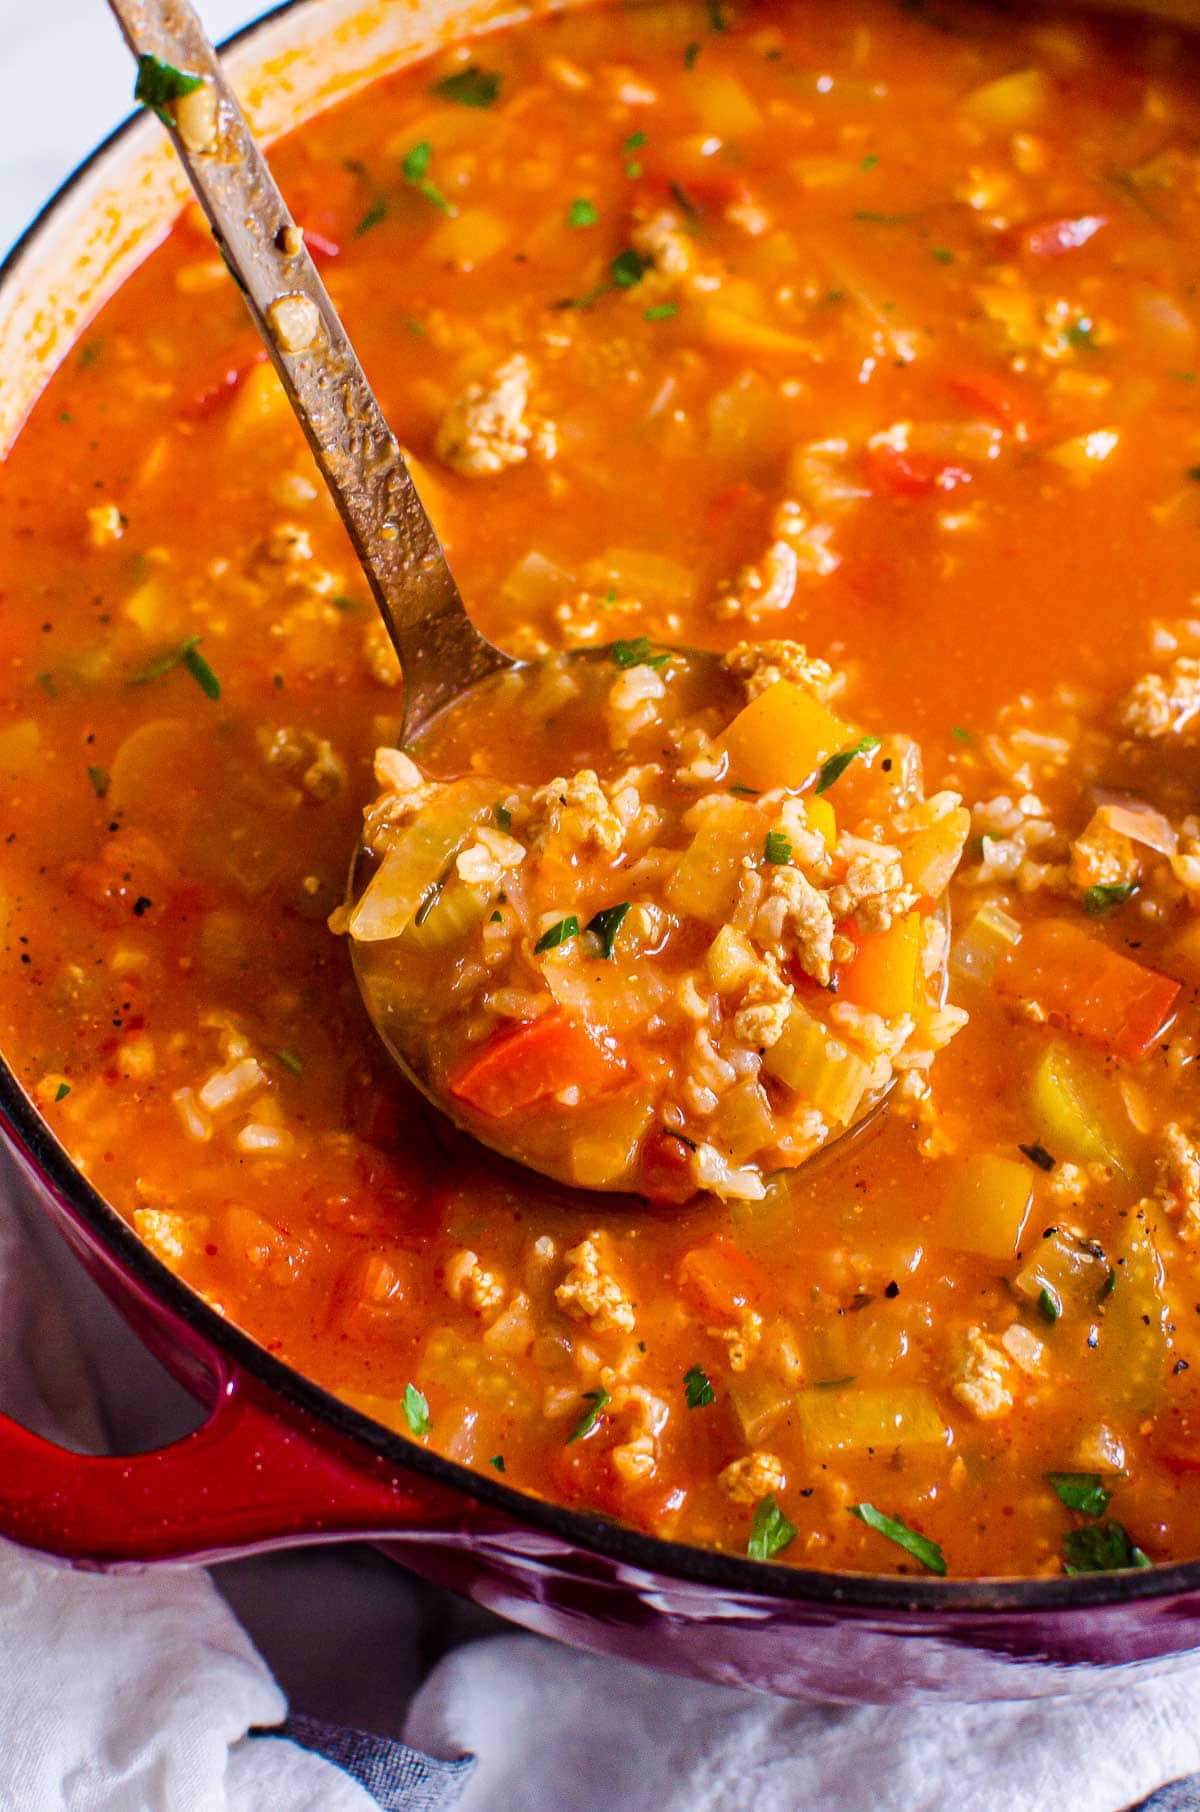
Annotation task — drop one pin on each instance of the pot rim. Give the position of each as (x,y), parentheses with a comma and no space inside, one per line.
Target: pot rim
(651,1554)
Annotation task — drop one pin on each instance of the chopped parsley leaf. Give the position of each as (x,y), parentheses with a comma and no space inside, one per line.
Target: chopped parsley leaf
(415,168)
(628,268)
(1081,333)
(836,766)
(46,682)
(186,655)
(582,213)
(770,1532)
(661,311)
(961,735)
(635,141)
(470,87)
(919,1546)
(637,653)
(834,1383)
(690,53)
(1049,1304)
(502,815)
(497,918)
(1080,1491)
(62,1091)
(561,933)
(716,16)
(99,780)
(597,1401)
(291,1062)
(416,1410)
(777,848)
(744,792)
(1037,1154)
(341,601)
(606,924)
(159,83)
(1101,1548)
(375,214)
(941,254)
(1106,896)
(869,161)
(497,1460)
(698,1388)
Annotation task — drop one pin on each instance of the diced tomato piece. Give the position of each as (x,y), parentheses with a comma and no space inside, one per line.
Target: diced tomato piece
(696,189)
(1004,399)
(720,1278)
(735,500)
(222,389)
(1091,990)
(535,1060)
(901,472)
(1051,238)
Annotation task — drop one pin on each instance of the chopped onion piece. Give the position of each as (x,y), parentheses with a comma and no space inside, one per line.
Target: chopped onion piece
(1134,818)
(989,936)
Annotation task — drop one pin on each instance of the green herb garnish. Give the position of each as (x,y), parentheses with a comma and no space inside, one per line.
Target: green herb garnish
(341,601)
(1080,1491)
(744,792)
(582,213)
(836,766)
(690,53)
(869,161)
(562,933)
(919,1546)
(186,655)
(941,254)
(415,168)
(62,1091)
(661,311)
(1101,1548)
(1081,333)
(777,848)
(770,1532)
(698,1389)
(961,735)
(628,268)
(46,682)
(374,216)
(99,780)
(637,653)
(291,1062)
(1107,896)
(834,1383)
(158,84)
(716,16)
(470,87)
(1037,1154)
(597,1401)
(1049,1304)
(502,815)
(497,1460)
(416,1410)
(606,925)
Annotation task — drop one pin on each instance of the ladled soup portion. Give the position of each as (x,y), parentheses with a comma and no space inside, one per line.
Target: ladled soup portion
(858,344)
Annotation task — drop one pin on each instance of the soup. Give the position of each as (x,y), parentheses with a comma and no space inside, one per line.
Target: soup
(866,331)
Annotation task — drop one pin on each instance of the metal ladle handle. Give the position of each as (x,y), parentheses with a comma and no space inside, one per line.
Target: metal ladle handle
(440,649)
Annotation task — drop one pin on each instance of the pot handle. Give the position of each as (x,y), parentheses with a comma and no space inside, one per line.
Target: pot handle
(258,1473)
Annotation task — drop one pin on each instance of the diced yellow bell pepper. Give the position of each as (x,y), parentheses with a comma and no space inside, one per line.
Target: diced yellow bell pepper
(818,1067)
(822,818)
(468,239)
(991,1202)
(781,738)
(1009,101)
(722,326)
(260,402)
(882,975)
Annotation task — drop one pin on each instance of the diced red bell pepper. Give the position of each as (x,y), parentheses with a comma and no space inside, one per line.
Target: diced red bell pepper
(903,472)
(222,389)
(1004,399)
(719,1276)
(536,1059)
(1093,991)
(1051,238)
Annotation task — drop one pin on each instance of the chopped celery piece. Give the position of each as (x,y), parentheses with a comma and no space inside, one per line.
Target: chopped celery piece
(820,1069)
(1134,1330)
(850,1419)
(458,908)
(605,1138)
(418,860)
(1073,1116)
(759,1401)
(984,942)
(704,885)
(990,1204)
(743,1123)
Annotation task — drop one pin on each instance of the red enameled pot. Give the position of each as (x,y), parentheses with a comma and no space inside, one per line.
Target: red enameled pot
(278,1461)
